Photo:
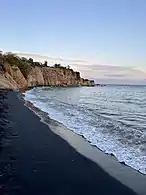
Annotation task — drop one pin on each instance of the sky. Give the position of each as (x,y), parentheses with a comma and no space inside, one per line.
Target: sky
(103,39)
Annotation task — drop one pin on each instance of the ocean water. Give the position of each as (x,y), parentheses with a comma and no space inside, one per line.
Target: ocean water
(113,118)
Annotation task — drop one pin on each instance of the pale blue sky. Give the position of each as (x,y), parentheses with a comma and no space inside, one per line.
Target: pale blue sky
(100,32)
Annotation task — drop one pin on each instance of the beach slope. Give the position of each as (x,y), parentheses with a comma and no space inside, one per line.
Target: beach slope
(34,160)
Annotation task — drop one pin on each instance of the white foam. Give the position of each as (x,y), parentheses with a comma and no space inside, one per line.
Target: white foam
(106,142)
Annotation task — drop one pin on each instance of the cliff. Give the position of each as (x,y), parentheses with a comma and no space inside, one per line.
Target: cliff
(15,76)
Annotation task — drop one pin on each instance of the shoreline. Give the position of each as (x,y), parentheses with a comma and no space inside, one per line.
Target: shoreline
(125,161)
(34,159)
(124,173)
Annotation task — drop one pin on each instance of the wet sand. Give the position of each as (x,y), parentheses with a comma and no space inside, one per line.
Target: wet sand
(34,160)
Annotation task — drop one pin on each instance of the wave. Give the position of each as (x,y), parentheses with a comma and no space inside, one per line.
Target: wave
(125,142)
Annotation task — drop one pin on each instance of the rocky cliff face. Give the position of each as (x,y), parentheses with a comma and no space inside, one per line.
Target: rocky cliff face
(35,77)
(6,80)
(12,77)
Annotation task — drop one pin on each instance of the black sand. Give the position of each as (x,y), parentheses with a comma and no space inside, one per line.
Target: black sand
(33,160)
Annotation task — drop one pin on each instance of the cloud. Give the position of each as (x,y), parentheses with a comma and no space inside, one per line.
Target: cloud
(44,57)
(104,67)
(120,81)
(115,75)
(110,71)
(106,72)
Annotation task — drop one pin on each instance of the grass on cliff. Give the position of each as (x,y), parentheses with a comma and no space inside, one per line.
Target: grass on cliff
(14,60)
(25,65)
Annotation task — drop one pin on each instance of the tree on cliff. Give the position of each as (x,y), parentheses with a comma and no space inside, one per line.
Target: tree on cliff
(37,64)
(57,65)
(24,59)
(45,63)
(30,60)
(10,58)
(1,56)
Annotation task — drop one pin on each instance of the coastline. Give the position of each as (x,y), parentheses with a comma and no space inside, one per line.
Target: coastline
(103,128)
(35,159)
(122,172)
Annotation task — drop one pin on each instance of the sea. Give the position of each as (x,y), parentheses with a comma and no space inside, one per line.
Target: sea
(111,118)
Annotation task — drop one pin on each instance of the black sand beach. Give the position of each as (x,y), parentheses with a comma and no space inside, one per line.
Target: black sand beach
(34,160)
